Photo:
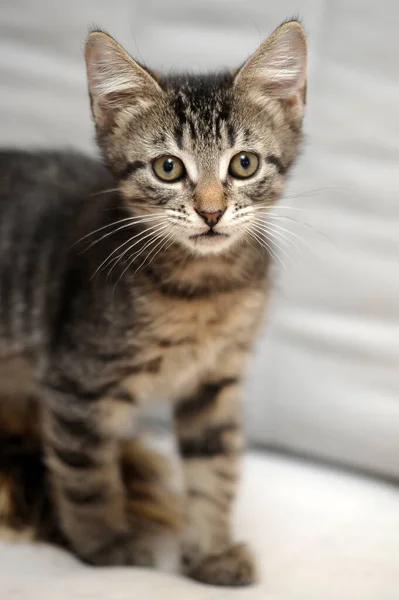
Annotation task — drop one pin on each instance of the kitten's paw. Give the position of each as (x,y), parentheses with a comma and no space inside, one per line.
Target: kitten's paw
(235,566)
(114,552)
(122,550)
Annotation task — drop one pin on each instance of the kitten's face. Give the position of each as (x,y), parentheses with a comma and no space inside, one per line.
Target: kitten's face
(203,156)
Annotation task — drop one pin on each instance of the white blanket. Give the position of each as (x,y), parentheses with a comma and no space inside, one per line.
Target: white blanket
(319,534)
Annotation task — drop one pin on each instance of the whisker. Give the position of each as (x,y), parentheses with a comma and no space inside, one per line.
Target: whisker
(265,211)
(279,248)
(162,243)
(118,258)
(128,241)
(304,224)
(267,246)
(278,236)
(254,248)
(121,228)
(275,227)
(132,219)
(293,234)
(267,207)
(314,192)
(103,192)
(136,255)
(140,252)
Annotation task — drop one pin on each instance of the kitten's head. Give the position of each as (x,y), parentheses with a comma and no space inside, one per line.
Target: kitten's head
(206,155)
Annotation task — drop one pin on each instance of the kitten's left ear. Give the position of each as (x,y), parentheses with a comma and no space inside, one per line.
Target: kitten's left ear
(117,83)
(278,68)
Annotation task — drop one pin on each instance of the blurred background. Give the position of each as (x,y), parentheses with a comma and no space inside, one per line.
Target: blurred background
(325,382)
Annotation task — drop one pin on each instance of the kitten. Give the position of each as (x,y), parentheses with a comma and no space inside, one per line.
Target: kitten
(145,280)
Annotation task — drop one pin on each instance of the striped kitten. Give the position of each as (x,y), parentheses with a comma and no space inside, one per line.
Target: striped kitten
(113,298)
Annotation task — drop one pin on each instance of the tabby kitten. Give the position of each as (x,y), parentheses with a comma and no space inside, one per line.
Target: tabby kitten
(112,298)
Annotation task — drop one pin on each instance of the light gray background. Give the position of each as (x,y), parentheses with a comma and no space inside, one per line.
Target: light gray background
(326,377)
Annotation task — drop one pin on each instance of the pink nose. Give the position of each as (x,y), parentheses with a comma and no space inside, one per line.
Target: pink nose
(211,218)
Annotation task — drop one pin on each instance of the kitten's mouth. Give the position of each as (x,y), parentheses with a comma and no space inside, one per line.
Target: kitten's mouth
(208,234)
(210,242)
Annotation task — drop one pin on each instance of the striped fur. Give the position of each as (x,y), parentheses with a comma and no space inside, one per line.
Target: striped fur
(116,291)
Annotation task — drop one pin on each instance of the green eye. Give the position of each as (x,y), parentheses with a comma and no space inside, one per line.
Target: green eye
(243,165)
(169,168)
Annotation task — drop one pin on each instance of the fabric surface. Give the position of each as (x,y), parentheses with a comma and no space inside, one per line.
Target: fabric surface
(319,534)
(325,381)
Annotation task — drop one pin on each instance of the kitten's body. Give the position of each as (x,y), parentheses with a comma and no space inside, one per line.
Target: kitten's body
(93,338)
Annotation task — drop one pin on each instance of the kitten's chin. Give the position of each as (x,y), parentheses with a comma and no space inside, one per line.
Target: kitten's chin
(204,245)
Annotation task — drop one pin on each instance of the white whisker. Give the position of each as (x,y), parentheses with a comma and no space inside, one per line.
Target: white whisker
(266,208)
(264,243)
(276,228)
(132,219)
(155,233)
(128,241)
(103,192)
(136,255)
(121,228)
(278,236)
(304,224)
(163,241)
(292,233)
(267,236)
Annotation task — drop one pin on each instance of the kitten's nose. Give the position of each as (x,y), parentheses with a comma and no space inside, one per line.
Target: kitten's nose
(211,218)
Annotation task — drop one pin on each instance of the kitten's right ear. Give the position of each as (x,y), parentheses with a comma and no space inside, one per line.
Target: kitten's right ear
(117,83)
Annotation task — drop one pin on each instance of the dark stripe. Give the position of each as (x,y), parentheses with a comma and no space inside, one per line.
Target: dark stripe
(218,502)
(151,366)
(179,136)
(180,109)
(258,190)
(124,396)
(247,135)
(296,127)
(74,459)
(191,125)
(83,496)
(70,387)
(116,542)
(231,135)
(73,282)
(79,428)
(171,343)
(108,356)
(37,268)
(159,138)
(131,169)
(218,124)
(210,444)
(6,300)
(205,397)
(276,161)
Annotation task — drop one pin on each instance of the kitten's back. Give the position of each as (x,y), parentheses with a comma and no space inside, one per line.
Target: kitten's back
(41,195)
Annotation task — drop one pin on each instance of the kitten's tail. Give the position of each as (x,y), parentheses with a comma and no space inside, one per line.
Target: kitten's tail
(149,496)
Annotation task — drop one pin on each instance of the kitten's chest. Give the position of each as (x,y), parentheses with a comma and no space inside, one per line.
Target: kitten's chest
(184,340)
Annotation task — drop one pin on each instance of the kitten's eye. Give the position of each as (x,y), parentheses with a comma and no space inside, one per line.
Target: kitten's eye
(169,168)
(243,165)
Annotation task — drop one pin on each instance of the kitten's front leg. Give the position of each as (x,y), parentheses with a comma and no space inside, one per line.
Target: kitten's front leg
(210,440)
(83,461)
